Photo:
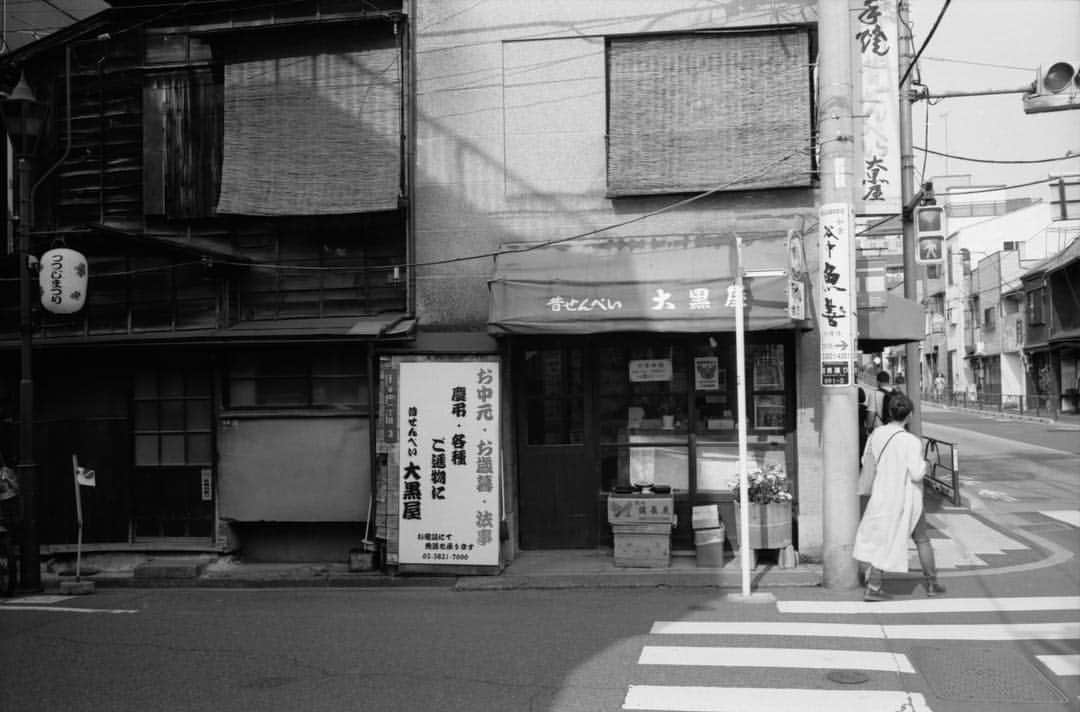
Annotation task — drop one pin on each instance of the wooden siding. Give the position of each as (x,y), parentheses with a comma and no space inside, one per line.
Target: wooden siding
(181,143)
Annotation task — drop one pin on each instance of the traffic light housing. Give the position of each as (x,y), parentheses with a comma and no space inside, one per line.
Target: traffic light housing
(1056,89)
(930,234)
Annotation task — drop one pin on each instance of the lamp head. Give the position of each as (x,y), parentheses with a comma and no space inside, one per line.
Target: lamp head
(23,116)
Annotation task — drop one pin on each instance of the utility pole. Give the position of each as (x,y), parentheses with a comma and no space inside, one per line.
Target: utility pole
(839,407)
(907,195)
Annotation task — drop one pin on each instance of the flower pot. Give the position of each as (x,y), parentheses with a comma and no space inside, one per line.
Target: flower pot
(770,525)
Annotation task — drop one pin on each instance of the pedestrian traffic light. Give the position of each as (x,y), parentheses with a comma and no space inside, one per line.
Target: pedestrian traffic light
(1056,89)
(930,234)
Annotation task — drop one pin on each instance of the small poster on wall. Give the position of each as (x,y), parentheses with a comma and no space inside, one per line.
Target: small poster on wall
(706,373)
(646,370)
(448,463)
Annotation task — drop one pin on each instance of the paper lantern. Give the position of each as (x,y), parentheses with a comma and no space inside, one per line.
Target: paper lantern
(63,280)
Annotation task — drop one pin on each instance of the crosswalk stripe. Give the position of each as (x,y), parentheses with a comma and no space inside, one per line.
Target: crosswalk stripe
(807,658)
(1069,516)
(936,605)
(1061,664)
(671,698)
(991,631)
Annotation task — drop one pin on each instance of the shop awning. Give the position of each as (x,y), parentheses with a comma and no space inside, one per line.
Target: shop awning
(667,283)
(900,321)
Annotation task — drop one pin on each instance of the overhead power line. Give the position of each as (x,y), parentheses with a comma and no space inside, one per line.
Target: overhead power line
(1068,155)
(933,29)
(1002,187)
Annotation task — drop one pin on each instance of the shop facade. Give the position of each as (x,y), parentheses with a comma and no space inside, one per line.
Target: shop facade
(576,226)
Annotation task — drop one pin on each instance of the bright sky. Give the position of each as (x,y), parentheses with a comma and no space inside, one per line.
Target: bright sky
(989,45)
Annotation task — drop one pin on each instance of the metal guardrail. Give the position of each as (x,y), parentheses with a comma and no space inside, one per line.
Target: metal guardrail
(944,474)
(1037,405)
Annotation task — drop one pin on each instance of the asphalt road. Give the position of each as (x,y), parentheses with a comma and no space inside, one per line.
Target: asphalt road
(537,651)
(1063,436)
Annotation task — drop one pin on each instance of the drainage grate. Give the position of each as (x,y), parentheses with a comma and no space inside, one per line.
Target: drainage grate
(983,675)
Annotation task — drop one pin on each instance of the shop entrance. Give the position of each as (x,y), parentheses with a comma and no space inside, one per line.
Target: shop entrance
(604,413)
(557,478)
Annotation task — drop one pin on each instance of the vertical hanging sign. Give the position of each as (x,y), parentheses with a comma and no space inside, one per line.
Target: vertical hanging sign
(836,297)
(448,463)
(877,69)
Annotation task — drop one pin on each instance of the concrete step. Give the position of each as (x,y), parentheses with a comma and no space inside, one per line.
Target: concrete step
(171,568)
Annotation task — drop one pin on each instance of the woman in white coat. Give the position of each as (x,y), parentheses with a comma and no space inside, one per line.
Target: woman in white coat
(892,474)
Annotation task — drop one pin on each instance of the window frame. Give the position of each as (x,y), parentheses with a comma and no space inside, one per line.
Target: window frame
(306,375)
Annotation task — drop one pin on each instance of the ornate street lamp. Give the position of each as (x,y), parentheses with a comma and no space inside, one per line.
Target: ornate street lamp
(23,121)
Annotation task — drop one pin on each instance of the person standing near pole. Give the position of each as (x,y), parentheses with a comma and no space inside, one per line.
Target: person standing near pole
(878,405)
(893,471)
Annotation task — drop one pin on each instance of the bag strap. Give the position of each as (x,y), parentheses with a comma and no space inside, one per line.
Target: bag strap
(877,461)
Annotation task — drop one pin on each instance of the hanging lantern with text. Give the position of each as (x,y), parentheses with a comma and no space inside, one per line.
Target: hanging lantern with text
(63,280)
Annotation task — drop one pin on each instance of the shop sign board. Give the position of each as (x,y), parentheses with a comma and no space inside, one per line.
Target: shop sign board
(875,27)
(796,299)
(836,294)
(449,463)
(628,509)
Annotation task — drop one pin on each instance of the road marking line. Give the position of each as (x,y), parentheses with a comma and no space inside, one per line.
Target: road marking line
(739,699)
(937,605)
(40,599)
(992,631)
(1061,664)
(66,609)
(1069,516)
(806,658)
(973,535)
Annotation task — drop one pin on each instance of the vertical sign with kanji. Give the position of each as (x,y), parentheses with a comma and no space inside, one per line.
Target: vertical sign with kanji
(877,47)
(836,294)
(448,465)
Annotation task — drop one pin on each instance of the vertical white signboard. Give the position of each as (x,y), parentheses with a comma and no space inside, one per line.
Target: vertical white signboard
(448,465)
(877,47)
(836,294)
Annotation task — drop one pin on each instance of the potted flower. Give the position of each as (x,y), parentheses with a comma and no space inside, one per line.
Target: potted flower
(769,498)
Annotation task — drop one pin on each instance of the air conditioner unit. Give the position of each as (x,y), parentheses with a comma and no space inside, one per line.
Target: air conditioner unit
(1010,246)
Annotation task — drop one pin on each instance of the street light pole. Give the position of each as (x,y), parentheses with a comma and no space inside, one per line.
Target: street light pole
(30,573)
(23,123)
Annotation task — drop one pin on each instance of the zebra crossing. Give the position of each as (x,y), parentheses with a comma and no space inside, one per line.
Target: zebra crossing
(870,641)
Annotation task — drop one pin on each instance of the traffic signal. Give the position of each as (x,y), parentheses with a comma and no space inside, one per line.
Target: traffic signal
(1056,89)
(930,234)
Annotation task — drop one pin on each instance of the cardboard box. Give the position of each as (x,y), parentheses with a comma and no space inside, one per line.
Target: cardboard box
(706,516)
(642,545)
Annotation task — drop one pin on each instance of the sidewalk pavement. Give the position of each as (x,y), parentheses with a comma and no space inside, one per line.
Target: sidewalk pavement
(965,544)
(555,569)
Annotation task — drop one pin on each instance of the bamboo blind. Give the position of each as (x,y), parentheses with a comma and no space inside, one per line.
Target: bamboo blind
(695,112)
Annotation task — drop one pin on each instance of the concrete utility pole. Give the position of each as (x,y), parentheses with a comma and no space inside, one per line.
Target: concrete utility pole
(839,406)
(907,194)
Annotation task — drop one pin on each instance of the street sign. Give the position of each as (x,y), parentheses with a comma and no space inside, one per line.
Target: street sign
(836,293)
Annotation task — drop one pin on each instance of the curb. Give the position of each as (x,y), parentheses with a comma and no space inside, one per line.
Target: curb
(241,581)
(804,576)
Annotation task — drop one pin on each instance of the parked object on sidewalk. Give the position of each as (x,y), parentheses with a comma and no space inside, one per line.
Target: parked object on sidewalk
(641,525)
(709,546)
(83,478)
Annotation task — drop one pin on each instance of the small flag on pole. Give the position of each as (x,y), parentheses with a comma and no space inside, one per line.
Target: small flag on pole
(85,477)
